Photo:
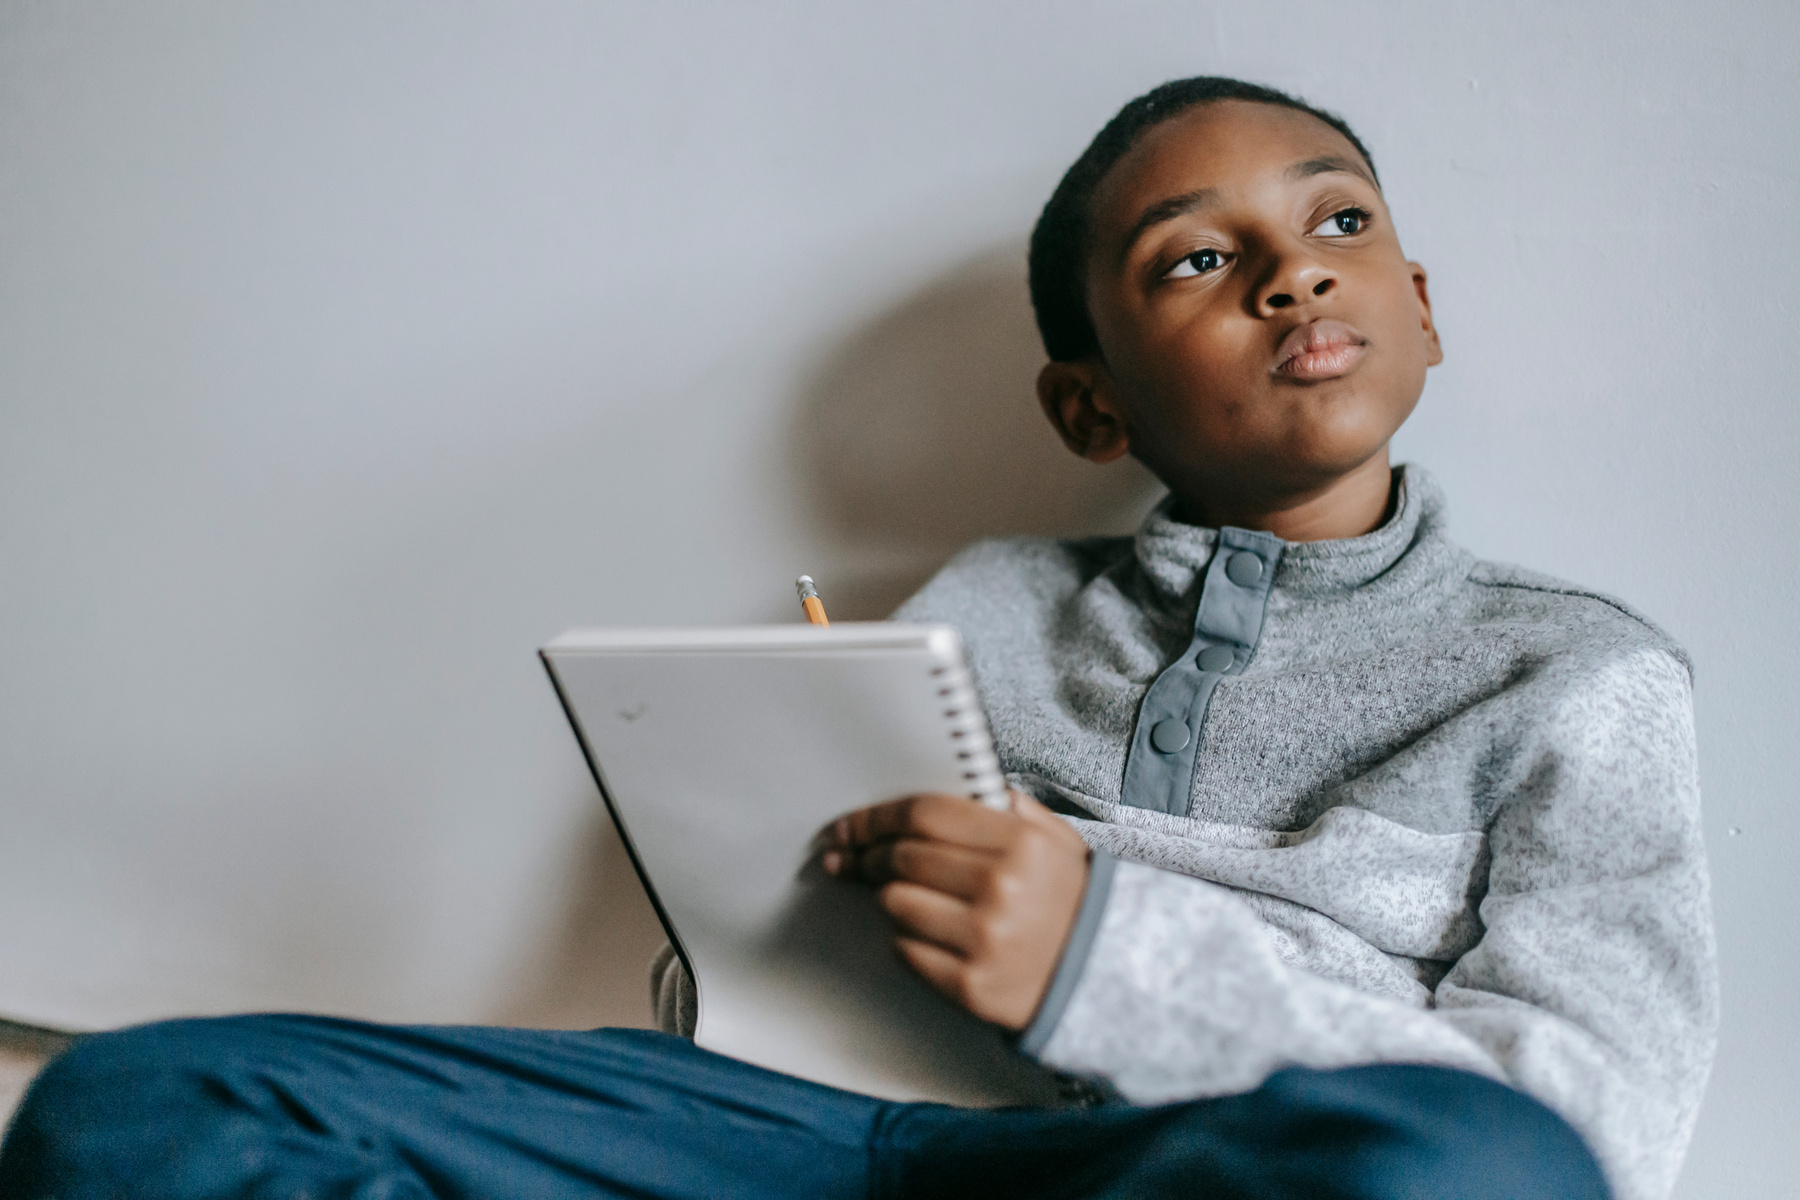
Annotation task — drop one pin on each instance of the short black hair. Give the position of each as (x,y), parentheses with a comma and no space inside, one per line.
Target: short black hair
(1059,240)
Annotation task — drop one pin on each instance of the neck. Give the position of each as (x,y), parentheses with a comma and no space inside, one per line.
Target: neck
(1349,506)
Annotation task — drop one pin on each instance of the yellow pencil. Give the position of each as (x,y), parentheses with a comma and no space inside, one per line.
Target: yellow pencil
(809,600)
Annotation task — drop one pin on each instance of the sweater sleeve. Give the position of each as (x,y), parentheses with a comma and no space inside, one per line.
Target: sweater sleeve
(1592,986)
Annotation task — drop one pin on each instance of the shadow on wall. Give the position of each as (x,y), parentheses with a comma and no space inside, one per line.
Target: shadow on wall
(595,970)
(921,432)
(917,434)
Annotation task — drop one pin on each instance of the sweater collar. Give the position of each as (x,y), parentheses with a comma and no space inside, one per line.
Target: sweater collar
(1173,555)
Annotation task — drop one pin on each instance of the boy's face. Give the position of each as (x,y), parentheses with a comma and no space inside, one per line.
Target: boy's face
(1261,332)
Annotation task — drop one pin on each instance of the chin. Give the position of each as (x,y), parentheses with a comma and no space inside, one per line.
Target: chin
(1342,441)
(1315,461)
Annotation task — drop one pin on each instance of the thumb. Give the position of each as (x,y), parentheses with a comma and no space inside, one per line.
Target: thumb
(1029,809)
(1032,813)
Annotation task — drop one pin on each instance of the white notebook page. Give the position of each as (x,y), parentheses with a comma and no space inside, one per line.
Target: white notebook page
(721,754)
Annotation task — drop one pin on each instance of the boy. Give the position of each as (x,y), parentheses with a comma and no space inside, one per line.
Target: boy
(1358,825)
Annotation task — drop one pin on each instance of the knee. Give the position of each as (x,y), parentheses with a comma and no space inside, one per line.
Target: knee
(80,1098)
(1433,1131)
(102,1118)
(104,1077)
(99,1058)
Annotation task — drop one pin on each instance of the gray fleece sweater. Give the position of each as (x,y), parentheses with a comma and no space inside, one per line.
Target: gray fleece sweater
(1357,801)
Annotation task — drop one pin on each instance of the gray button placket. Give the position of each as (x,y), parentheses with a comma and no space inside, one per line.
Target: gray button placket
(1159,768)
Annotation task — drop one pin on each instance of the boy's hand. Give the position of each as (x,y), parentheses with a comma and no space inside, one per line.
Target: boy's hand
(984,899)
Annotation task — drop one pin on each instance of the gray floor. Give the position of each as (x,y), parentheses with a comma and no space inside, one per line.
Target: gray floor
(24,1049)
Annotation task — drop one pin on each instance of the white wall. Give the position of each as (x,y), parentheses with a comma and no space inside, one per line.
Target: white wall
(349,351)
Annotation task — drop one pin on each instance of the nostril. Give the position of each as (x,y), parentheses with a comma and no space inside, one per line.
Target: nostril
(1323,286)
(1280,300)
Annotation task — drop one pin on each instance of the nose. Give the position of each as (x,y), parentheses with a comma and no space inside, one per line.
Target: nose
(1296,277)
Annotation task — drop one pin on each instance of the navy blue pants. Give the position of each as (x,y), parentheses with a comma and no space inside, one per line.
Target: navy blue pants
(288,1107)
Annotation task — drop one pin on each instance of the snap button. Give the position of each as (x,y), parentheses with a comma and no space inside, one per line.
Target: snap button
(1244,569)
(1169,736)
(1215,658)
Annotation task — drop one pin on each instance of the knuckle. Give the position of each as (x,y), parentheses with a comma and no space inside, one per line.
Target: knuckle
(904,855)
(927,812)
(1007,888)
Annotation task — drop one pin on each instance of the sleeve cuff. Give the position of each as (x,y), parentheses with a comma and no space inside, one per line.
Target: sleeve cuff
(1074,954)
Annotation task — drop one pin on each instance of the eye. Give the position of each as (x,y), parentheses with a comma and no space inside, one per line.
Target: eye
(1198,263)
(1343,223)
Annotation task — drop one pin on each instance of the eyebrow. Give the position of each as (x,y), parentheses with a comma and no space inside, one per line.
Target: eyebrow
(1180,206)
(1167,210)
(1329,164)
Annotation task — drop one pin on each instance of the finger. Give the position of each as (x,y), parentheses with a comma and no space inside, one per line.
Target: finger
(940,968)
(859,828)
(929,916)
(941,866)
(1030,811)
(932,815)
(1029,808)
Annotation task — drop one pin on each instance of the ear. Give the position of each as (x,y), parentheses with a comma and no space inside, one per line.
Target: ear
(1434,350)
(1080,400)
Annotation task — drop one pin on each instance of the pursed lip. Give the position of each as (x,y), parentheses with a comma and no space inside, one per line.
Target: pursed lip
(1322,349)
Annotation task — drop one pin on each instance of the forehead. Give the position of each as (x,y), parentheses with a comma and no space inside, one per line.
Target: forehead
(1229,145)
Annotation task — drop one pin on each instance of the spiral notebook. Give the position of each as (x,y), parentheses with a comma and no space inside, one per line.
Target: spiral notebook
(721,754)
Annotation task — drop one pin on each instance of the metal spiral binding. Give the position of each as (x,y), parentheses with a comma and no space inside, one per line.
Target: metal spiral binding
(975,742)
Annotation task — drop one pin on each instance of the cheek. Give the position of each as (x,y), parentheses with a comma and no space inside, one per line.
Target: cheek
(1405,371)
(1204,365)
(1401,322)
